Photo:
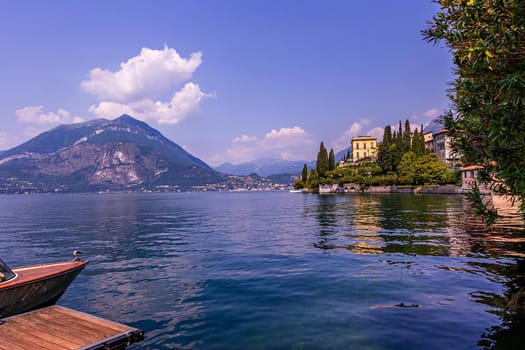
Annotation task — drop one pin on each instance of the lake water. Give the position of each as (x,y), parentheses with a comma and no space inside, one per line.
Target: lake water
(278,270)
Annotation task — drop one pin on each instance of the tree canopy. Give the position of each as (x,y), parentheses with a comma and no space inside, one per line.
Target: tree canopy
(487,119)
(322,160)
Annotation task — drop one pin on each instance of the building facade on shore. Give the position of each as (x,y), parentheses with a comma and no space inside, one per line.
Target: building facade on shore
(429,141)
(469,179)
(364,147)
(442,143)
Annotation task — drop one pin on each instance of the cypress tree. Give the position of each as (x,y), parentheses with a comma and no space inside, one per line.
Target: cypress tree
(407,139)
(385,155)
(331,160)
(304,175)
(398,147)
(322,161)
(422,140)
(415,144)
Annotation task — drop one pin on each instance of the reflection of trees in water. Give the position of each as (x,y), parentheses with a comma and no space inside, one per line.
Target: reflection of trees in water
(434,225)
(408,224)
(422,225)
(502,243)
(349,222)
(326,215)
(510,307)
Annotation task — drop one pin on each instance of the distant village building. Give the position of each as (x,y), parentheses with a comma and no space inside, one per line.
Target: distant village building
(429,141)
(443,148)
(364,147)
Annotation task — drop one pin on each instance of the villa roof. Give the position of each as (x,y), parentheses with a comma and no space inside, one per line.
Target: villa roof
(471,167)
(442,131)
(364,138)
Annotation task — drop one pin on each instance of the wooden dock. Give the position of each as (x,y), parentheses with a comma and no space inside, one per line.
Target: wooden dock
(59,328)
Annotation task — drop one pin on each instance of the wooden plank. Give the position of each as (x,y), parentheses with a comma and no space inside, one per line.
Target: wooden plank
(55,325)
(47,329)
(19,338)
(59,328)
(94,319)
(56,340)
(8,345)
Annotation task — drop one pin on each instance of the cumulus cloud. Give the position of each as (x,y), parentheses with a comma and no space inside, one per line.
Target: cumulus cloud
(431,113)
(345,140)
(286,143)
(35,115)
(136,87)
(183,103)
(377,132)
(7,140)
(245,138)
(146,75)
(37,120)
(285,133)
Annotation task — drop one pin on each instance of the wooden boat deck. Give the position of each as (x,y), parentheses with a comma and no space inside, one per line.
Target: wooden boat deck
(59,328)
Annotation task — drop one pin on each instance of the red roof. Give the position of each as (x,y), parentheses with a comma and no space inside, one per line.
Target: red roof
(472,167)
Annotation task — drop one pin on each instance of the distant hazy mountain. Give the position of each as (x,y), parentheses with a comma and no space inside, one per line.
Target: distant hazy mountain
(265,167)
(341,154)
(435,124)
(124,153)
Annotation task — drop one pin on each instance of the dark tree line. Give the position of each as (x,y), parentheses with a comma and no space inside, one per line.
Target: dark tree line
(325,161)
(396,144)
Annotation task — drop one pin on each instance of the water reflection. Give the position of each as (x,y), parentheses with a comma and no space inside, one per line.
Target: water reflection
(279,270)
(375,224)
(437,226)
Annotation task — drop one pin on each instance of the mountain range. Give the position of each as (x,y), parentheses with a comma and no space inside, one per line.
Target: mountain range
(98,155)
(265,167)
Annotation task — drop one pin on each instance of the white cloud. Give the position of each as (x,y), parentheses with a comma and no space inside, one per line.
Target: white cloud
(285,132)
(377,132)
(286,143)
(35,115)
(136,87)
(431,113)
(7,141)
(144,76)
(37,120)
(183,103)
(345,140)
(245,138)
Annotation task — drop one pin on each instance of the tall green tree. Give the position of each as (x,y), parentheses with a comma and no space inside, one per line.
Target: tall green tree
(418,143)
(385,156)
(322,161)
(331,160)
(398,148)
(487,119)
(407,137)
(304,174)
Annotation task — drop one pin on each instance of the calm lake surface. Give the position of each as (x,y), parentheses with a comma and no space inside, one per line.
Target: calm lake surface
(278,270)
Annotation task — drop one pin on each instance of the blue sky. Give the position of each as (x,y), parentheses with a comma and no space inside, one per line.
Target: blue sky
(227,80)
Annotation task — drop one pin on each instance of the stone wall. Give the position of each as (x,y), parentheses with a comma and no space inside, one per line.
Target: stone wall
(356,188)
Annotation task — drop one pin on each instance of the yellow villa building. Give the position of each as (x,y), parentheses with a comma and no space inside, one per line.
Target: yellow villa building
(364,147)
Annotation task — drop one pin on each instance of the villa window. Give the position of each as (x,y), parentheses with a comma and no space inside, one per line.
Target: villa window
(358,154)
(357,145)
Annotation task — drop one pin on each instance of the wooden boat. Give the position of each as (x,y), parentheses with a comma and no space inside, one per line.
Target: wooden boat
(31,287)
